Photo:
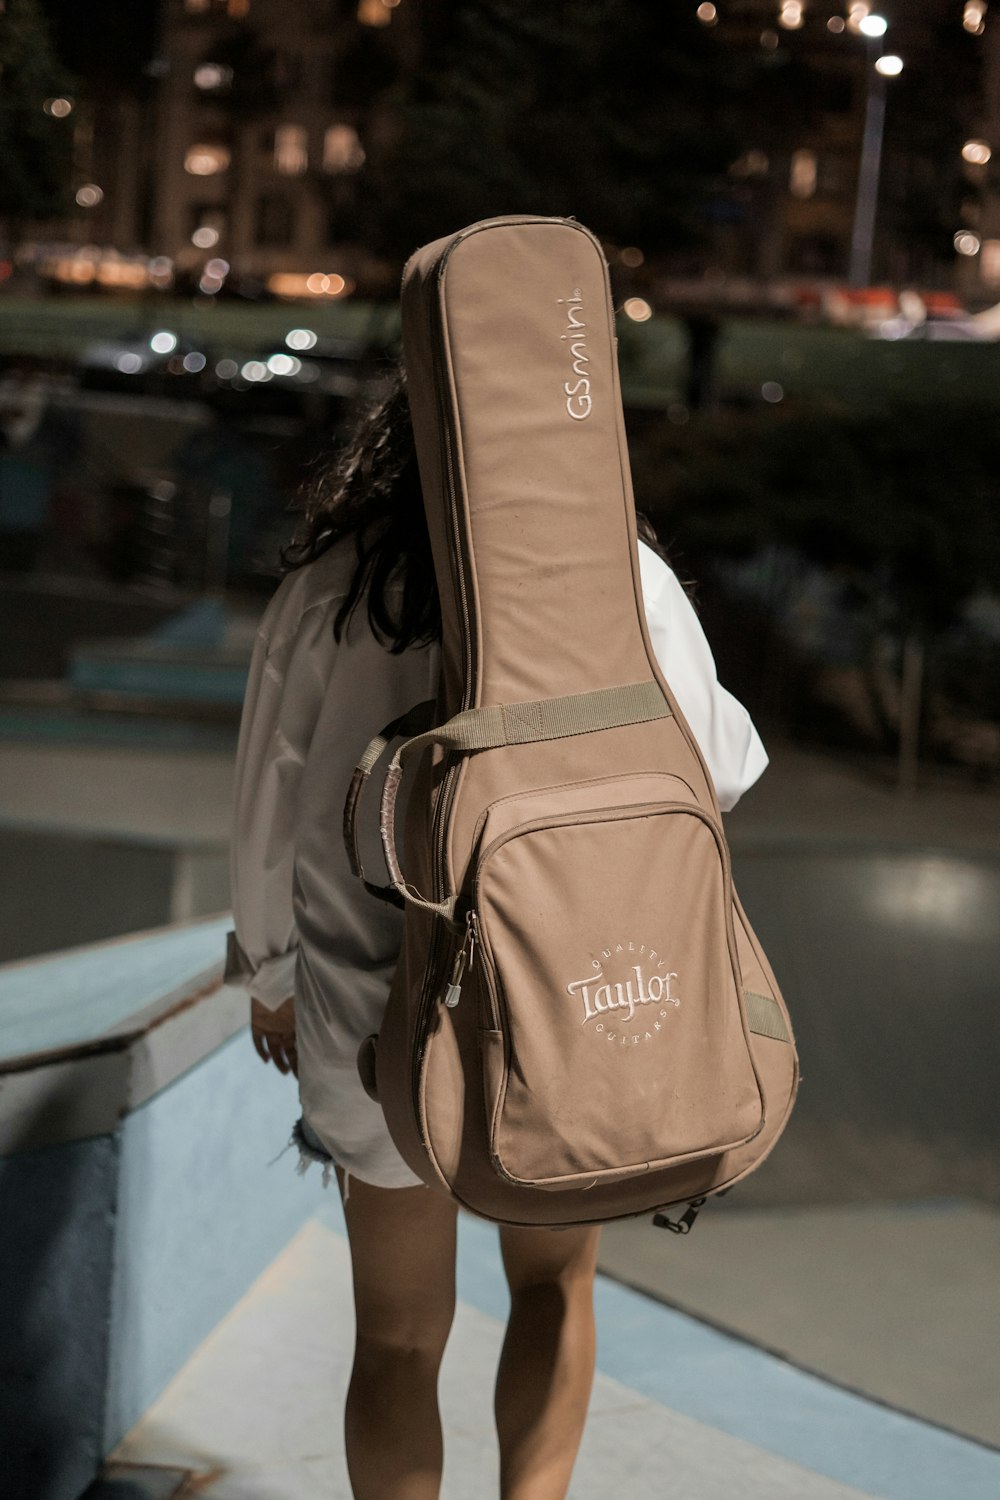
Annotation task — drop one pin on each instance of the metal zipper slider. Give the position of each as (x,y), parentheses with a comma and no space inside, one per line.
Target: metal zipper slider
(463,958)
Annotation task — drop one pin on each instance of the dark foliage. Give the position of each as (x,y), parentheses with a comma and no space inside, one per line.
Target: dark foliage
(34,147)
(613,113)
(904,501)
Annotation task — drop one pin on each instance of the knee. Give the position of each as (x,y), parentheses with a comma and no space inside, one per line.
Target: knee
(558,1294)
(402,1336)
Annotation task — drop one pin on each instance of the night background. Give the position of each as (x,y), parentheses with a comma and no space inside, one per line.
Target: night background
(205,208)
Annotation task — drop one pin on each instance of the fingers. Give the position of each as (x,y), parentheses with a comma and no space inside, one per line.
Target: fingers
(273,1033)
(271,1046)
(285,1057)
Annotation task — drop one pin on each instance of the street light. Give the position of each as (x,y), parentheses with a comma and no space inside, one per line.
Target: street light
(885,65)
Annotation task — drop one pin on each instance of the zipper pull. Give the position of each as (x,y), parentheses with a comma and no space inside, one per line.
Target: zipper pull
(463,958)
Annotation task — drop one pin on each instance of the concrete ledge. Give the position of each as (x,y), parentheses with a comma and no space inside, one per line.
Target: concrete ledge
(134,1152)
(68,886)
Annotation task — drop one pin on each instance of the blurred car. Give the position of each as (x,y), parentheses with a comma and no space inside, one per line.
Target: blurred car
(160,362)
(950,330)
(339,368)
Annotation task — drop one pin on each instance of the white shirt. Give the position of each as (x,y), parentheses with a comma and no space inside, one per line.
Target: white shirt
(306,925)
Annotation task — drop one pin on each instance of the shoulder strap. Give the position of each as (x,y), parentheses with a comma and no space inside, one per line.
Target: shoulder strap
(501,724)
(413,722)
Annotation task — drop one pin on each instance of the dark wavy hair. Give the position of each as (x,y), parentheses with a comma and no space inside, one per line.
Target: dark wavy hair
(372,494)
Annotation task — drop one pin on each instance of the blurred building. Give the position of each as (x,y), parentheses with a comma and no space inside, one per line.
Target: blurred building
(265,109)
(241,133)
(789,207)
(980,265)
(793,199)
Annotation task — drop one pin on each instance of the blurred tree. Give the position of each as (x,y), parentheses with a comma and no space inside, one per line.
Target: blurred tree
(616,114)
(85,49)
(902,500)
(35,147)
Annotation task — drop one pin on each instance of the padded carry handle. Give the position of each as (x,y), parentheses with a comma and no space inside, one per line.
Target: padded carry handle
(507,724)
(414,721)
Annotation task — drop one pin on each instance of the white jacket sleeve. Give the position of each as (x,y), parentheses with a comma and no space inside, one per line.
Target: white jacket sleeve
(724,730)
(291,665)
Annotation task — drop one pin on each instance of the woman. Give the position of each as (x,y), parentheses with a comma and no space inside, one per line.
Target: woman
(348,643)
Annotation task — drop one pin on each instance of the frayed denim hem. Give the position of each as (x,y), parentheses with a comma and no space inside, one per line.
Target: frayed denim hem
(310,1150)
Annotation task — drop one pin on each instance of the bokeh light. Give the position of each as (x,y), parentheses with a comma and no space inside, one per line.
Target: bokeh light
(977,152)
(206,161)
(638,309)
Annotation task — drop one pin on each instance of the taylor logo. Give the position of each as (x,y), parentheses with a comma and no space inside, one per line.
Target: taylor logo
(627,979)
(579,402)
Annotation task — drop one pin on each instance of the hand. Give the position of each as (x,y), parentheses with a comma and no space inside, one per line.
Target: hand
(274,1034)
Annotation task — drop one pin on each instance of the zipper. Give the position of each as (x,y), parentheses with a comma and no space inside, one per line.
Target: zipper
(487,960)
(446,796)
(463,959)
(462,967)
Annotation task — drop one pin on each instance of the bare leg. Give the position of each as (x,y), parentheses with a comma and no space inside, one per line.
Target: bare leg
(403,1257)
(547,1364)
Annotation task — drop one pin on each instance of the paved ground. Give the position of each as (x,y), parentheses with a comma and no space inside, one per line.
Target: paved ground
(677,1406)
(898,1097)
(809,795)
(896,1300)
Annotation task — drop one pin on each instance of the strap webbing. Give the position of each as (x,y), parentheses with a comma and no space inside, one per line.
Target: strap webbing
(764,1016)
(546,719)
(502,724)
(417,718)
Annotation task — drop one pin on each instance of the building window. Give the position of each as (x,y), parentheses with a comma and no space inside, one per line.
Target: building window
(816,255)
(206,160)
(989,263)
(287,70)
(802,178)
(207,225)
(274,221)
(342,149)
(832,174)
(291,150)
(210,76)
(376,12)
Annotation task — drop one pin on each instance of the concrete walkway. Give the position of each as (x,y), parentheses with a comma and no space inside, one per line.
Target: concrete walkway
(896,1300)
(677,1407)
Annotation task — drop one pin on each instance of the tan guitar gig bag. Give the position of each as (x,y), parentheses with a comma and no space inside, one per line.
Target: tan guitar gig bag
(583,1025)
